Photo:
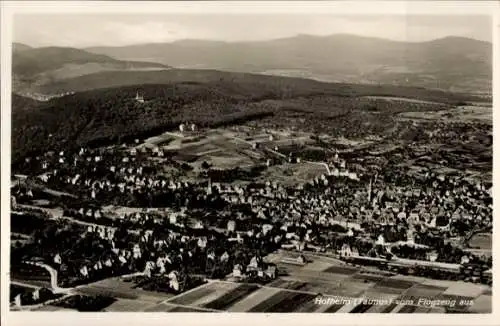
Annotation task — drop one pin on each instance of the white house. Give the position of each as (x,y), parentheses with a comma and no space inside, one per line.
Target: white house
(57,259)
(17,300)
(380,240)
(231,226)
(84,271)
(174,282)
(224,257)
(237,270)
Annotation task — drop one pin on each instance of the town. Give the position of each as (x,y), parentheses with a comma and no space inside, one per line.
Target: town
(196,219)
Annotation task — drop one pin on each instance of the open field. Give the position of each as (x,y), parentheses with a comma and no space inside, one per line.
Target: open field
(216,148)
(205,294)
(481,241)
(127,305)
(283,301)
(402,99)
(234,148)
(234,295)
(288,174)
(166,307)
(460,114)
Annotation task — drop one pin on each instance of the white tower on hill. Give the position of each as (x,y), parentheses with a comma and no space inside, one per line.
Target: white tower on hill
(139,98)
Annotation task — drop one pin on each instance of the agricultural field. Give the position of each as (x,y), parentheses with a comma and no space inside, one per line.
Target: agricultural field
(126,305)
(482,114)
(400,99)
(284,296)
(166,307)
(298,290)
(204,294)
(160,140)
(215,148)
(284,301)
(290,174)
(226,149)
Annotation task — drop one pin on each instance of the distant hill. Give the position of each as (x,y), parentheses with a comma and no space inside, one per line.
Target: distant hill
(451,63)
(17,47)
(32,67)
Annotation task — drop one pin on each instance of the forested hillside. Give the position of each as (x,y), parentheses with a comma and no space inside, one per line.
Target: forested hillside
(244,84)
(113,116)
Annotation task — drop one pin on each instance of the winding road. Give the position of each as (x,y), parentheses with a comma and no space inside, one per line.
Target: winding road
(53,277)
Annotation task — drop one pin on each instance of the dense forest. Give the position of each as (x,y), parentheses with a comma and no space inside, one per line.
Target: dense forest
(243,84)
(112,115)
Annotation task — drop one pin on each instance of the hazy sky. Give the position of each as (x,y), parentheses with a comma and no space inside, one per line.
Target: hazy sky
(82,30)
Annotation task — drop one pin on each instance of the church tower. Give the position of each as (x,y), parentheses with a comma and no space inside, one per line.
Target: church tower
(209,187)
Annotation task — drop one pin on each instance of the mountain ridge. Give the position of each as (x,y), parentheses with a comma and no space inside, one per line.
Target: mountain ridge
(304,35)
(20,47)
(451,63)
(32,67)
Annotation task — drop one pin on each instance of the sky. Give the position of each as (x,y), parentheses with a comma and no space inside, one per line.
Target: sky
(85,30)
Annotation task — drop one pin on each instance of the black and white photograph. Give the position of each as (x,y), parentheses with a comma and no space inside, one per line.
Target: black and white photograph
(320,162)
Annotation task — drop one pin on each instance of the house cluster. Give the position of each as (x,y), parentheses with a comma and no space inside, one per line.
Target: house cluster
(161,252)
(255,270)
(111,174)
(329,212)
(415,215)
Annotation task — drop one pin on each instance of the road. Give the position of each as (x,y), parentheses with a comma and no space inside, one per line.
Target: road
(53,277)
